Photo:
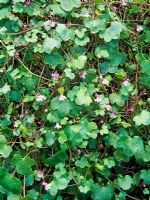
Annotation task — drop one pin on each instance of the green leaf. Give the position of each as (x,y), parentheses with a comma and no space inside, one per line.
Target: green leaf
(125,182)
(16,95)
(143,155)
(78,63)
(145,67)
(65,33)
(80,33)
(23,165)
(10,182)
(50,138)
(54,59)
(63,108)
(95,25)
(57,10)
(113,32)
(33,194)
(5,150)
(83,97)
(30,83)
(68,5)
(60,156)
(13,197)
(109,162)
(51,43)
(142,119)
(5,89)
(102,192)
(69,73)
(62,183)
(83,41)
(145,175)
(82,163)
(62,138)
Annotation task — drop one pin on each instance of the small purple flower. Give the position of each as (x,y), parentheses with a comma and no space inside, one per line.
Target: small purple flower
(58,126)
(55,75)
(78,152)
(112,115)
(105,81)
(49,22)
(40,174)
(98,98)
(123,3)
(108,107)
(132,109)
(139,28)
(102,121)
(126,82)
(62,97)
(27,2)
(82,74)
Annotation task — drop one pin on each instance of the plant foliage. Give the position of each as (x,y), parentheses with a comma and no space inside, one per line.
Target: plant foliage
(74,95)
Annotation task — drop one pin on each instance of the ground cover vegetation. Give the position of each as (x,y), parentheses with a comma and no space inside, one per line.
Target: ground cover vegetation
(74,100)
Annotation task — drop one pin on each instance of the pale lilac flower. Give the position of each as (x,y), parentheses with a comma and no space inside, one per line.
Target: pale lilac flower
(87,14)
(62,97)
(105,81)
(132,109)
(143,184)
(40,97)
(47,186)
(139,28)
(26,111)
(108,107)
(126,82)
(58,126)
(102,121)
(98,98)
(49,22)
(27,2)
(78,152)
(112,115)
(40,174)
(45,110)
(55,75)
(123,3)
(17,54)
(82,74)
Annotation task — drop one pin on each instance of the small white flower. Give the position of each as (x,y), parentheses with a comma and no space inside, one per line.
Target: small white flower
(58,126)
(98,98)
(126,82)
(87,14)
(40,97)
(47,186)
(108,107)
(62,97)
(105,81)
(139,28)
